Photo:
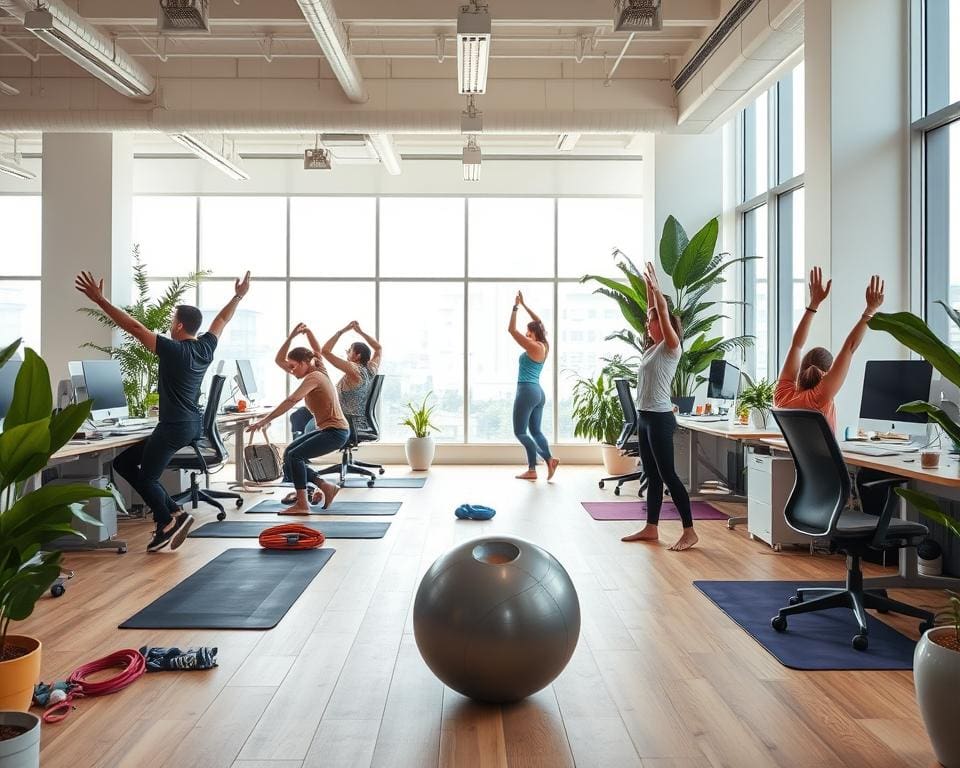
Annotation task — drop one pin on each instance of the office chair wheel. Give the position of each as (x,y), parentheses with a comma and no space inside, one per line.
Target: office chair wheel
(795,600)
(239,503)
(860,642)
(371,482)
(57,590)
(121,550)
(221,516)
(381,470)
(779,623)
(600,484)
(616,491)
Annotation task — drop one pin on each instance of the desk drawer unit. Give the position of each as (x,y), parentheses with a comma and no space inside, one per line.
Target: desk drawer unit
(769,482)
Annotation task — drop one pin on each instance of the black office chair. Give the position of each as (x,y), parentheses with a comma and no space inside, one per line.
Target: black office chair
(204,454)
(627,441)
(817,508)
(368,433)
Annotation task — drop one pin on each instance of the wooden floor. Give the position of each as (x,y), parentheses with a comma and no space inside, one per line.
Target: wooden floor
(660,679)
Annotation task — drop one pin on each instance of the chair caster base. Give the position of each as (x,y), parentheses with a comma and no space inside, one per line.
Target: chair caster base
(221,516)
(779,623)
(860,642)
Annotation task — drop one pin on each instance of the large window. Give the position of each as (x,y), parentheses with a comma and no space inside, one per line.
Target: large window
(434,278)
(20,270)
(770,162)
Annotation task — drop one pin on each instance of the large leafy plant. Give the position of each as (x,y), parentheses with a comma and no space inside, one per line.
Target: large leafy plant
(139,366)
(596,410)
(694,270)
(29,520)
(419,418)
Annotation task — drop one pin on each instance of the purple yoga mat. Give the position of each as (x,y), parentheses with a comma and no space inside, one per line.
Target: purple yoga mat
(637,510)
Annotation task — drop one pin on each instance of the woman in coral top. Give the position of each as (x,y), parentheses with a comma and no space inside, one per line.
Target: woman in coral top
(813,380)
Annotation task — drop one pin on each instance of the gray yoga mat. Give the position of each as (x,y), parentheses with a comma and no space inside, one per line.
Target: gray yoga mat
(239,589)
(268,506)
(251,529)
(386,482)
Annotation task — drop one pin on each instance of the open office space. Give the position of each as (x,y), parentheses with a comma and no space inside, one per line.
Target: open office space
(482,383)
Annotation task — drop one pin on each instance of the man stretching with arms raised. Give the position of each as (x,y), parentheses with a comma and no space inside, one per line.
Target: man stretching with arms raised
(184,359)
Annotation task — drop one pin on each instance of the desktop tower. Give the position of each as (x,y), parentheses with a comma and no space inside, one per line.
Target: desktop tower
(103,509)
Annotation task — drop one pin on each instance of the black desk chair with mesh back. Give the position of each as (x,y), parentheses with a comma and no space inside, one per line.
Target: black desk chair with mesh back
(627,441)
(817,508)
(360,434)
(205,454)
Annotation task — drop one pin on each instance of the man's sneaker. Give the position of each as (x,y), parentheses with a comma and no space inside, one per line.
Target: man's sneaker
(181,529)
(160,539)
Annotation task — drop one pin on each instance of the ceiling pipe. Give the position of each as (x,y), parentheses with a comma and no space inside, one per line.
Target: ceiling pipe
(383,144)
(332,37)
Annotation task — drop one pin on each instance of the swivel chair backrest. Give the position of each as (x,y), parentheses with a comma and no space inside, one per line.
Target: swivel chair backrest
(370,409)
(629,408)
(823,482)
(210,432)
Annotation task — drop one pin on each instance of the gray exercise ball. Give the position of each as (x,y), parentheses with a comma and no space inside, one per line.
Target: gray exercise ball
(496,618)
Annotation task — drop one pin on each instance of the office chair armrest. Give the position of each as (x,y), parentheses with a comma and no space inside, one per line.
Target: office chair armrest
(203,462)
(890,505)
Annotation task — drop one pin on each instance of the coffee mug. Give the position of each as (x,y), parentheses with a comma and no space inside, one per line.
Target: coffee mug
(930,459)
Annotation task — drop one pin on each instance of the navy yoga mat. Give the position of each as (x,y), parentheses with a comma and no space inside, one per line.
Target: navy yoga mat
(239,589)
(268,506)
(387,482)
(637,510)
(813,641)
(251,529)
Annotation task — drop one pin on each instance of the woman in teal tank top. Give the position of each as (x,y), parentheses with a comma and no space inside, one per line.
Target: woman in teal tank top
(530,399)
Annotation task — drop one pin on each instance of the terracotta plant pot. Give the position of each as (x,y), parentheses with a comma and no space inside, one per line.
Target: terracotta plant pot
(615,463)
(18,676)
(21,751)
(936,675)
(420,451)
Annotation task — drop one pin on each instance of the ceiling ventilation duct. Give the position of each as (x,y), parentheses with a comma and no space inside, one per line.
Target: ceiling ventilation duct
(332,37)
(637,15)
(316,159)
(184,16)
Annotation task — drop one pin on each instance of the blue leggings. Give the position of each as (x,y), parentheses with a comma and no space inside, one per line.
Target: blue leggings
(309,446)
(527,415)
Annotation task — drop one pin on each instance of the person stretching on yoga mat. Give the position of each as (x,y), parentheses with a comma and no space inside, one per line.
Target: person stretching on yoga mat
(812,381)
(530,398)
(657,422)
(359,368)
(183,360)
(317,391)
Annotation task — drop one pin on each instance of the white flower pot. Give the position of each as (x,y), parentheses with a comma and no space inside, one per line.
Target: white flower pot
(936,674)
(759,419)
(615,462)
(420,452)
(22,751)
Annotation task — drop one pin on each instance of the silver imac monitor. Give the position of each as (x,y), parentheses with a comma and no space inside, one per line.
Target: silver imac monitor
(246,380)
(104,385)
(888,384)
(75,369)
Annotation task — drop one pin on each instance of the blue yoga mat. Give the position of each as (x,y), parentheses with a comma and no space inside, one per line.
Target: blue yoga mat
(813,641)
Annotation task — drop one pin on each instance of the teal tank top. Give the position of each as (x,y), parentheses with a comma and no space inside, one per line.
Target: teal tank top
(529,370)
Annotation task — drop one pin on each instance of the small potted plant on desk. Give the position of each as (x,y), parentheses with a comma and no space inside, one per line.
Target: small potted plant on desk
(420,448)
(31,434)
(597,416)
(757,400)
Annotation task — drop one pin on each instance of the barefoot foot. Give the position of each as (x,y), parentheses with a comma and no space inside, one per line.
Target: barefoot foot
(647,533)
(687,540)
(530,474)
(316,496)
(330,492)
(290,498)
(296,509)
(552,465)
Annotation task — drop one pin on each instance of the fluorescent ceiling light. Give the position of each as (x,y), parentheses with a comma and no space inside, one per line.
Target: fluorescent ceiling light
(11,165)
(567,141)
(224,160)
(473,48)
(8,90)
(471,160)
(82,47)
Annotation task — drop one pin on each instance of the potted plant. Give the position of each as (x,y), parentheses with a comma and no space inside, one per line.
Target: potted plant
(597,416)
(140,367)
(936,661)
(756,399)
(421,447)
(28,521)
(694,270)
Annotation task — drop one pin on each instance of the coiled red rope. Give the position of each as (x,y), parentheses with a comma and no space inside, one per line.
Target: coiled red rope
(129,661)
(291,536)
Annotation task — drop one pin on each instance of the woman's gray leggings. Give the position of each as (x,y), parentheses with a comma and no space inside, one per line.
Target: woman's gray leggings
(527,415)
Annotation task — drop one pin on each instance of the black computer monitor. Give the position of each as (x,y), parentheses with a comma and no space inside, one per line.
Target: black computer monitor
(104,384)
(8,378)
(888,384)
(246,380)
(724,381)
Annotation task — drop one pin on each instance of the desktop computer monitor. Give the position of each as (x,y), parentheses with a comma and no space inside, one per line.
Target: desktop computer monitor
(8,378)
(104,384)
(246,380)
(724,381)
(75,369)
(888,384)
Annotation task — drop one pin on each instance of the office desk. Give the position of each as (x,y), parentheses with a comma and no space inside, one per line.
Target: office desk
(723,430)
(944,481)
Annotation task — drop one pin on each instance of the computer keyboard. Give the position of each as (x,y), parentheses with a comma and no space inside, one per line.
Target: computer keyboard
(868,450)
(129,429)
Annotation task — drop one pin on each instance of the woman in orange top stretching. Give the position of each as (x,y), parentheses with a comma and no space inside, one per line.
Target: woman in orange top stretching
(812,382)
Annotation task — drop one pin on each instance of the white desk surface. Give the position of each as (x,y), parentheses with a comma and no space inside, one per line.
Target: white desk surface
(725,429)
(903,465)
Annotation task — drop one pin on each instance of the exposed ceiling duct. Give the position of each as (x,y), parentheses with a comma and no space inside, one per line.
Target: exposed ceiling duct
(69,33)
(387,150)
(332,37)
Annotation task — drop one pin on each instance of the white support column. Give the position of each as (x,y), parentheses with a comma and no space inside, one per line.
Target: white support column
(857,170)
(87,184)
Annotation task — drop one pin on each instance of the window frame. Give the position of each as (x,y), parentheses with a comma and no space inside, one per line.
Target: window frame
(32,278)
